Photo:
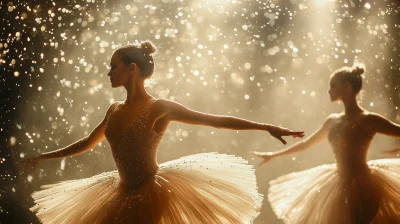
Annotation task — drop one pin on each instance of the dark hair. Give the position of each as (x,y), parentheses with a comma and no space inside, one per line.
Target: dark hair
(351,75)
(140,54)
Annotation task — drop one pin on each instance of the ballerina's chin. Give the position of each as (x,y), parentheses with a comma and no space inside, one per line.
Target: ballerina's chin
(351,191)
(201,188)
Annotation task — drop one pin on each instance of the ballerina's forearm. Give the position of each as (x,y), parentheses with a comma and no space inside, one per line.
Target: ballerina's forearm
(75,148)
(297,147)
(229,122)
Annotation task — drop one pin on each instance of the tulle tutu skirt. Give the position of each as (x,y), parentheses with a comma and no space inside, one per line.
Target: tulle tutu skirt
(201,188)
(321,196)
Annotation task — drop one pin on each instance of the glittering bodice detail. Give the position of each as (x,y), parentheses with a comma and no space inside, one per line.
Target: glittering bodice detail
(135,154)
(350,142)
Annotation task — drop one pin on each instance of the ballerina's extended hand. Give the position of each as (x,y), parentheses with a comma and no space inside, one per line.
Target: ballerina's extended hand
(278,132)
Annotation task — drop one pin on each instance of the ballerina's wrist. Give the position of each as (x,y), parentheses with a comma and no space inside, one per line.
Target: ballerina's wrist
(268,127)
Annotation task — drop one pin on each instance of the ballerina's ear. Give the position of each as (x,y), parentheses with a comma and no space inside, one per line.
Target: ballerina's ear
(132,67)
(348,87)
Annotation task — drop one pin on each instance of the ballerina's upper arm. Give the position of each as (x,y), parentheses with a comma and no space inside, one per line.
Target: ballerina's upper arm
(384,126)
(177,112)
(321,134)
(98,134)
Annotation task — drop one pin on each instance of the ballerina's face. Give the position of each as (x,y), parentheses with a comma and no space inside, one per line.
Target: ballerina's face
(119,72)
(337,88)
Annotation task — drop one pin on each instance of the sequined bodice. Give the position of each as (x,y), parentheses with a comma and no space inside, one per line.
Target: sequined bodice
(135,154)
(350,142)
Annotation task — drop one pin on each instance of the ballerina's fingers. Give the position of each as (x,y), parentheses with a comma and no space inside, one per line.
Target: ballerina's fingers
(281,139)
(294,134)
(297,134)
(280,135)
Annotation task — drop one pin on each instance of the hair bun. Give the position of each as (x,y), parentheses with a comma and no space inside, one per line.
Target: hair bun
(148,47)
(358,69)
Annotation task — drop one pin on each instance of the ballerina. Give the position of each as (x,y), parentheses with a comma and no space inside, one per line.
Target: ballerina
(352,190)
(201,188)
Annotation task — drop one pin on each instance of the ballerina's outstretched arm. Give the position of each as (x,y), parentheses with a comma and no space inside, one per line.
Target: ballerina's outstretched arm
(384,126)
(176,112)
(75,148)
(315,138)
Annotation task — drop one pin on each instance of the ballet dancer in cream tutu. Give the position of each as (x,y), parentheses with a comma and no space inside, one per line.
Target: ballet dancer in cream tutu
(353,190)
(201,188)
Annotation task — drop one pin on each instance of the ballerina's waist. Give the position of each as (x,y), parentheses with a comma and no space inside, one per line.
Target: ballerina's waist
(137,177)
(354,169)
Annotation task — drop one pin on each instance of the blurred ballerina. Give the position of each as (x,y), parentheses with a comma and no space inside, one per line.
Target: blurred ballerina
(201,188)
(352,190)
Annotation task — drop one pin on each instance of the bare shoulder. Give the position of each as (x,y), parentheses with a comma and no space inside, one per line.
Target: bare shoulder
(115,105)
(375,122)
(164,109)
(372,116)
(332,117)
(161,107)
(162,102)
(112,107)
(329,120)
(166,105)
